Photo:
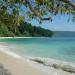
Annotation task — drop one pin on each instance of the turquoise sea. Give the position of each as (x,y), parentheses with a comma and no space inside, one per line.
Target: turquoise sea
(56,48)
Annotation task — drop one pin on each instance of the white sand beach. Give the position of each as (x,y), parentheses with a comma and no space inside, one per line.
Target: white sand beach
(18,66)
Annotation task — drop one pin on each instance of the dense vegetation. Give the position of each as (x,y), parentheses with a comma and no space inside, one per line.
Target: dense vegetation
(13,12)
(24,29)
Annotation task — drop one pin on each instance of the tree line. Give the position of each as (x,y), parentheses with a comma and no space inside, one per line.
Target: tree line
(24,30)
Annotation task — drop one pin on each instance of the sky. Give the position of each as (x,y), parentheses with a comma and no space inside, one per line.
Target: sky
(59,23)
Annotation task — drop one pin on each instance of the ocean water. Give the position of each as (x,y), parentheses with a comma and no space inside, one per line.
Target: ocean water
(56,48)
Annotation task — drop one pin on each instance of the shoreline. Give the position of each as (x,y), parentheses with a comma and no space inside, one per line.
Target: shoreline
(45,65)
(55,64)
(18,66)
(22,37)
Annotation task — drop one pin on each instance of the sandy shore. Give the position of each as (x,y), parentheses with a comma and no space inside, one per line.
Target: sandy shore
(18,66)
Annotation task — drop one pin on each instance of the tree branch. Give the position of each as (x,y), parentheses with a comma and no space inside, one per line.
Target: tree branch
(32,9)
(71,4)
(35,12)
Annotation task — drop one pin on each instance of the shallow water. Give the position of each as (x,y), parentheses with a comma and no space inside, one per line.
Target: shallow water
(56,48)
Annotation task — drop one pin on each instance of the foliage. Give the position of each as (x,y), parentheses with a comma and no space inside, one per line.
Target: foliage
(4,31)
(35,9)
(29,30)
(24,29)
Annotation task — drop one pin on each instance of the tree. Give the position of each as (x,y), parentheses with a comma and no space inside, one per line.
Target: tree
(26,29)
(36,9)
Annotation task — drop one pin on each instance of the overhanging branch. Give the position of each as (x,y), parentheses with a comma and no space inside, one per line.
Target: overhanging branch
(70,3)
(36,13)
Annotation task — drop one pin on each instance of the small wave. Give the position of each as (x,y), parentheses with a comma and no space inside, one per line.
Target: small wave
(56,64)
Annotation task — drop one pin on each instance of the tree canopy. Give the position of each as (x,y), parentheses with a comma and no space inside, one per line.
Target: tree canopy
(24,30)
(14,11)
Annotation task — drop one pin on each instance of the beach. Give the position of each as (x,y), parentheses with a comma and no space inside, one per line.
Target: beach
(15,56)
(16,64)
(19,66)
